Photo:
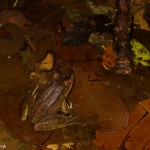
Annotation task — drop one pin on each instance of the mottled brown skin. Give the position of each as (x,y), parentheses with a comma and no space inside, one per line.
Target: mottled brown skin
(47,111)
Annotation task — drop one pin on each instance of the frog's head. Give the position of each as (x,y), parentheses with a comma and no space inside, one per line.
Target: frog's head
(68,78)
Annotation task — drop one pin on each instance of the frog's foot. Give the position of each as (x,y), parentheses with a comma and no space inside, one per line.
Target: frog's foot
(24,110)
(66,108)
(70,106)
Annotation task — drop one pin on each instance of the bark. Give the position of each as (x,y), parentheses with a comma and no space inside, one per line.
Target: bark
(122,38)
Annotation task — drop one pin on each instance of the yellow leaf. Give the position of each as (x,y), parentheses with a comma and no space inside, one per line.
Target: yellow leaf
(53,146)
(68,145)
(46,64)
(139,20)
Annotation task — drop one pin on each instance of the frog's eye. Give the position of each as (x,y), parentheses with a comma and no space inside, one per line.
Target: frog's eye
(66,82)
(56,75)
(70,81)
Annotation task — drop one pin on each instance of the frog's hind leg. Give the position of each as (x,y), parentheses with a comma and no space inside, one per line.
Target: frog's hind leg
(57,122)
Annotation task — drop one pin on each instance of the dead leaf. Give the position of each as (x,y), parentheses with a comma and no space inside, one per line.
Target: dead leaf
(145,104)
(109,57)
(45,64)
(113,142)
(53,146)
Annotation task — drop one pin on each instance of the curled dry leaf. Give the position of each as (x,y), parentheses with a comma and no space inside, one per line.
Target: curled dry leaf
(109,58)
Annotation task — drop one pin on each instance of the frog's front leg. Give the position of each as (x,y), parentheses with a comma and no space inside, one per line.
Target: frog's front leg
(66,108)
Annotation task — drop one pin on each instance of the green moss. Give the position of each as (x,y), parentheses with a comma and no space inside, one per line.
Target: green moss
(141,53)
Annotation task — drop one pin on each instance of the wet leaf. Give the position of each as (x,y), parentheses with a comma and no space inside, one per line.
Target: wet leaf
(146,104)
(11,39)
(14,17)
(116,141)
(139,138)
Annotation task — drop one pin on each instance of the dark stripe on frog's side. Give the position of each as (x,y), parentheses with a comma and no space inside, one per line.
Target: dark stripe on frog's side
(48,89)
(47,98)
(42,109)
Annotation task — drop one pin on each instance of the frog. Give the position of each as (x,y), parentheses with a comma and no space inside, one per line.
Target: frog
(47,109)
